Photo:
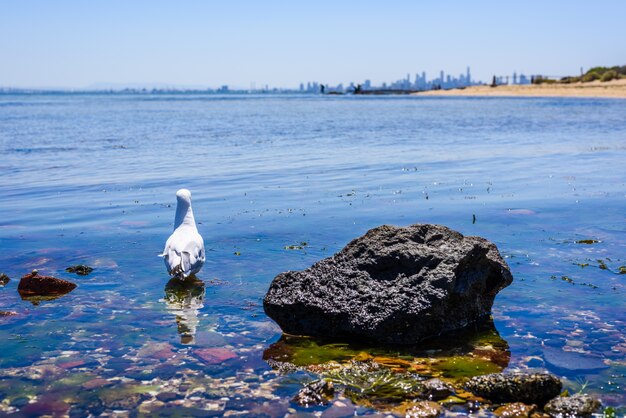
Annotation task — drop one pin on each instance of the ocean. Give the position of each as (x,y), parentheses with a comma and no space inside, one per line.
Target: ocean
(279,182)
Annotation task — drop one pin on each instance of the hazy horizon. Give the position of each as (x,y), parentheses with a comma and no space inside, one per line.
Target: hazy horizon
(75,45)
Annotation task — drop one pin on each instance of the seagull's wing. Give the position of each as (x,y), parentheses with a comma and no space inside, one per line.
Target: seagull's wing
(184,253)
(172,258)
(193,255)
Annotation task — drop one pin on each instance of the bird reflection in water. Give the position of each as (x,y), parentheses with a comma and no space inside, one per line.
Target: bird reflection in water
(185,298)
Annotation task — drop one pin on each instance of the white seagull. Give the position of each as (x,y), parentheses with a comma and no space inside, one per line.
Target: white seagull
(184,249)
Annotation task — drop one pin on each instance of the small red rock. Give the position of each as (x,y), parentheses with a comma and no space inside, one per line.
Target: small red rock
(159,351)
(214,355)
(32,284)
(47,406)
(164,353)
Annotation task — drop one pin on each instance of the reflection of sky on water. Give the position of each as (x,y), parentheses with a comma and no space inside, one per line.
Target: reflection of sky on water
(97,188)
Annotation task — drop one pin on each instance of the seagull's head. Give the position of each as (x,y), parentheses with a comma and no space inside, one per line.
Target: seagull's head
(184,195)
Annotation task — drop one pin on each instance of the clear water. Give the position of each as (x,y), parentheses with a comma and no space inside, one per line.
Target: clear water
(91,179)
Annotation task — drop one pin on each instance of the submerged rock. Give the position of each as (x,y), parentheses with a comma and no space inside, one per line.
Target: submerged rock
(4,279)
(33,284)
(579,405)
(436,389)
(45,406)
(558,360)
(515,410)
(529,388)
(80,269)
(215,355)
(315,393)
(393,285)
(424,409)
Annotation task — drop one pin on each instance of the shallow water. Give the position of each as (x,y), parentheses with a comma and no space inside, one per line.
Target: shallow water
(91,179)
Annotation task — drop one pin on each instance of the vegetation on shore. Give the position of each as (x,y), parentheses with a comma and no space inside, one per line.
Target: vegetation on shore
(595,73)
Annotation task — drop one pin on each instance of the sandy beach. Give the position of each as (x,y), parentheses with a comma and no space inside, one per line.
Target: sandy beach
(610,89)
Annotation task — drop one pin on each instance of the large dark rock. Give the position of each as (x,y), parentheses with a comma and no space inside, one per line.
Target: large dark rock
(32,284)
(393,285)
(529,388)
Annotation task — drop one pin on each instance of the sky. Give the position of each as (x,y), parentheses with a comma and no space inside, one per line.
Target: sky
(241,43)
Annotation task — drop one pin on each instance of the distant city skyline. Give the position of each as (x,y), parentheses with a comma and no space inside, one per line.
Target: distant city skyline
(246,44)
(419,82)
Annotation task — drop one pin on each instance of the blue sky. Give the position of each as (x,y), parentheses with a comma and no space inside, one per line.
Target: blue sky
(281,43)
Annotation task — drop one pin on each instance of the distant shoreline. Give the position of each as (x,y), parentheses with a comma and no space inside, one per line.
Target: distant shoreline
(615,89)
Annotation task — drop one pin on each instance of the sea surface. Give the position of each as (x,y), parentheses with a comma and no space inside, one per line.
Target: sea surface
(279,182)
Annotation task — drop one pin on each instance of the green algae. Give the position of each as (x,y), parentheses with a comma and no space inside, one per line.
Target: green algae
(457,367)
(17,389)
(118,393)
(73,380)
(453,400)
(302,351)
(482,347)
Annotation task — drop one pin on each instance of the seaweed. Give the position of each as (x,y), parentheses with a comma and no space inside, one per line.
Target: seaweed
(80,269)
(367,380)
(4,279)
(300,246)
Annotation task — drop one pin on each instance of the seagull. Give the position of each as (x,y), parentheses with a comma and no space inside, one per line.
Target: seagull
(184,249)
